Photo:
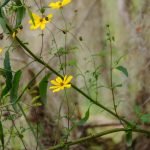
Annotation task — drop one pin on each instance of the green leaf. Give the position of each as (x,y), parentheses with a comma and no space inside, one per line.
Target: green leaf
(123,70)
(8,75)
(145,118)
(43,88)
(3,71)
(20,15)
(129,138)
(3,24)
(102,53)
(15,87)
(117,85)
(1,135)
(72,63)
(61,51)
(30,15)
(137,110)
(5,3)
(85,118)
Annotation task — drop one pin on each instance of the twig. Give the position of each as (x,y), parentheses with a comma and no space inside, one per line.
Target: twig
(93,136)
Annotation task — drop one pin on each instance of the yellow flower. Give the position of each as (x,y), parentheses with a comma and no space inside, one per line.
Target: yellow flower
(59,4)
(1,50)
(39,22)
(60,84)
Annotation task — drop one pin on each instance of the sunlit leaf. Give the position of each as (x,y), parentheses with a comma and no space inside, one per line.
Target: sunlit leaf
(145,118)
(123,70)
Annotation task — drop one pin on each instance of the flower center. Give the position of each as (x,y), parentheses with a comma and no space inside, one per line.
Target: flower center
(41,20)
(60,4)
(46,18)
(61,84)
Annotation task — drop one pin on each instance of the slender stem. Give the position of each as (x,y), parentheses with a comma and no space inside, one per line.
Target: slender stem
(19,134)
(42,42)
(93,136)
(111,75)
(67,144)
(29,124)
(65,32)
(56,73)
(68,116)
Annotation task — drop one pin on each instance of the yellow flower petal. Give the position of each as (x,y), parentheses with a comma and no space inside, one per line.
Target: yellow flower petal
(42,26)
(65,78)
(62,87)
(53,87)
(56,90)
(54,82)
(59,80)
(65,2)
(68,80)
(67,85)
(55,5)
(35,17)
(50,16)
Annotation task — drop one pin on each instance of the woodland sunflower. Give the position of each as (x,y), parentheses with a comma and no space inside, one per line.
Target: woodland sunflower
(60,84)
(59,4)
(39,22)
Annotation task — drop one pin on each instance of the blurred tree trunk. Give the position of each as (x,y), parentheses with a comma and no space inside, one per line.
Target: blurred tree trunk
(137,25)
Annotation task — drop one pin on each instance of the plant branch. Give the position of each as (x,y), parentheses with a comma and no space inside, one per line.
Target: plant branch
(36,58)
(93,136)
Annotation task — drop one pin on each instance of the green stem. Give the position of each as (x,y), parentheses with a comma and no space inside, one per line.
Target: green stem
(56,73)
(93,136)
(29,124)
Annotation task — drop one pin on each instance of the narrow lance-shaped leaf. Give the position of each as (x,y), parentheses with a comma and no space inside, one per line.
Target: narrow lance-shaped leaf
(129,138)
(123,70)
(8,75)
(3,24)
(20,15)
(3,71)
(30,15)
(43,88)
(1,135)
(85,118)
(15,87)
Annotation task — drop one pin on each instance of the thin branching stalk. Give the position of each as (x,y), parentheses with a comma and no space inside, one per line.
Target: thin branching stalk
(93,136)
(36,58)
(111,74)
